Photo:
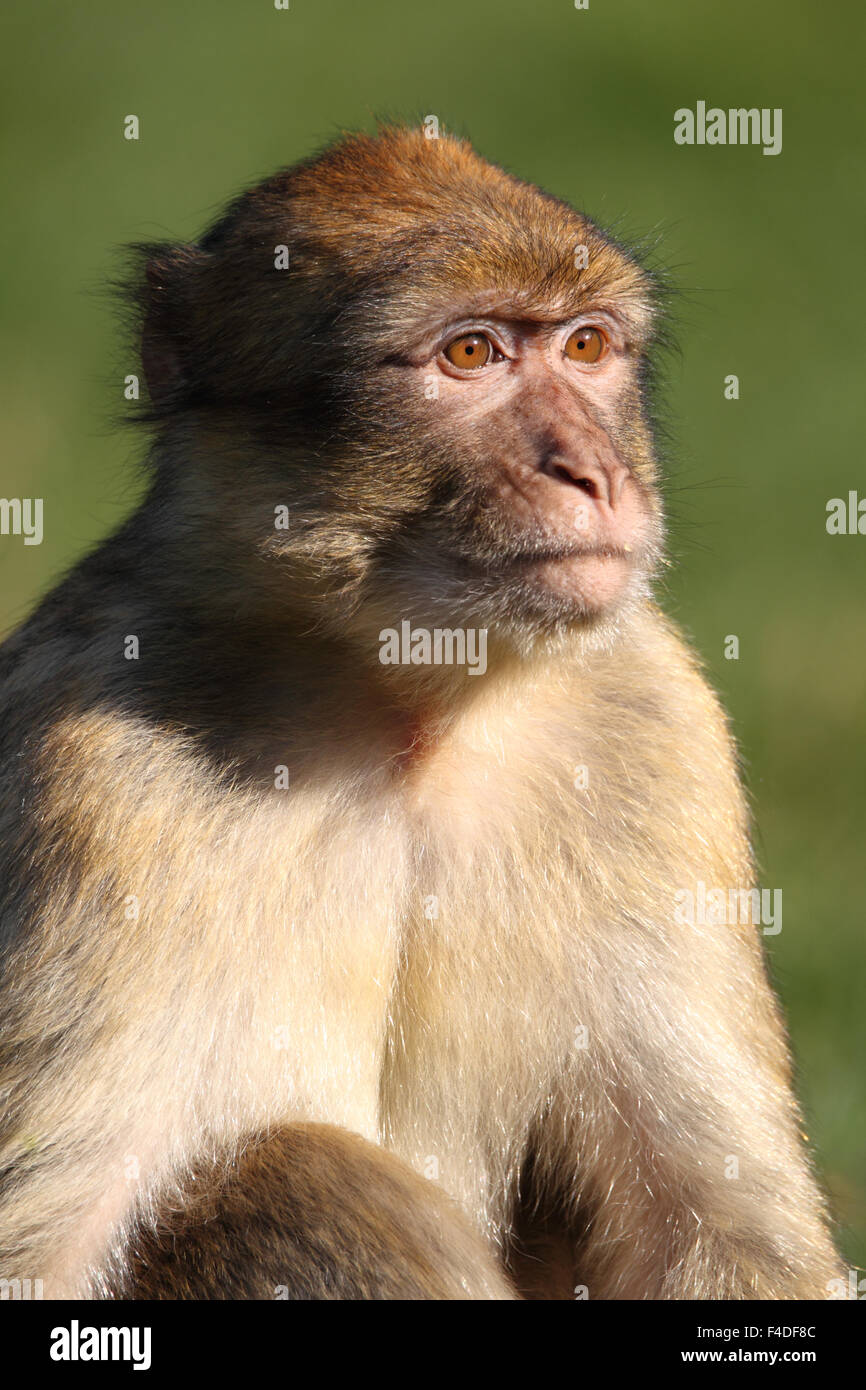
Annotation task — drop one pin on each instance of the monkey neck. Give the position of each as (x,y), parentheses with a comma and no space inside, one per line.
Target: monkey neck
(423,734)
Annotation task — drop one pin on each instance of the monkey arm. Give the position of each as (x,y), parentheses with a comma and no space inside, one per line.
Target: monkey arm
(683,1173)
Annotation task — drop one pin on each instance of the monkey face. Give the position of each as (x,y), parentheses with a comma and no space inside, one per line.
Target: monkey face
(490,362)
(546,507)
(443,379)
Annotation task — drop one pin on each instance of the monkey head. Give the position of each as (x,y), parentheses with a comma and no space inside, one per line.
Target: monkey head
(438,368)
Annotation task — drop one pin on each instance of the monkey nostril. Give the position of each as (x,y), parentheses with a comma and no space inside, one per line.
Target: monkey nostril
(566,476)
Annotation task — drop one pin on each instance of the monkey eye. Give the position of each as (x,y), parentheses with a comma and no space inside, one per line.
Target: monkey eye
(470,351)
(587,345)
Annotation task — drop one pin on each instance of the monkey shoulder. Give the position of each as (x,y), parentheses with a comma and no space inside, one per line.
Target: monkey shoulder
(653,682)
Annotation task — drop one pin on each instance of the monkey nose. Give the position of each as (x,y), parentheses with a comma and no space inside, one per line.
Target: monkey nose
(603,482)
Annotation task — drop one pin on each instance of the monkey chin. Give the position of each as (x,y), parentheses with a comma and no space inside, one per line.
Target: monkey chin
(577,604)
(594,582)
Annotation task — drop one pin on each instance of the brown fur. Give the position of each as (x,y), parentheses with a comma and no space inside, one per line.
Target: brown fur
(310,1212)
(406,942)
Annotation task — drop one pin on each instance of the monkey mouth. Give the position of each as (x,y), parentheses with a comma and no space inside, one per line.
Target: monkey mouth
(583,552)
(592,578)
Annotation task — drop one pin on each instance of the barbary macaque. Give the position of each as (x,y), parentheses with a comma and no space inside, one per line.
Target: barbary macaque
(332,963)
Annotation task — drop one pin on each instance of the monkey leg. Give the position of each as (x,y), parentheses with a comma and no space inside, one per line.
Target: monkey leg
(669,1236)
(310,1212)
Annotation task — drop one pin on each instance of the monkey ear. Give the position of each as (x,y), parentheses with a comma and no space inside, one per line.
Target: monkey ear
(167,330)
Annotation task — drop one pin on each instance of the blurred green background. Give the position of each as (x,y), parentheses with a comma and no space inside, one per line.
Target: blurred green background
(768,251)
